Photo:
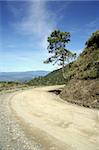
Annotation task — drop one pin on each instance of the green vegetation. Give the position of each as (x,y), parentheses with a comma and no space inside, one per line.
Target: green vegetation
(57,47)
(81,76)
(86,66)
(53,78)
(83,88)
(82,84)
(10,85)
(93,40)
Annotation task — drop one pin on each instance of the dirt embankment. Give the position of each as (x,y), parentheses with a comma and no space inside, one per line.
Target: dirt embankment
(82,92)
(55,124)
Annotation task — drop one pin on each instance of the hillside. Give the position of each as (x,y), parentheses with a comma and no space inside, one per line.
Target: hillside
(82,84)
(84,67)
(83,75)
(53,78)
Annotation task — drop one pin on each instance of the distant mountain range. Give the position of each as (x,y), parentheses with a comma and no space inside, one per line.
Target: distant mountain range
(21,76)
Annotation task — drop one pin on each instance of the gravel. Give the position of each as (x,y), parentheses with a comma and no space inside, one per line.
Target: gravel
(12,136)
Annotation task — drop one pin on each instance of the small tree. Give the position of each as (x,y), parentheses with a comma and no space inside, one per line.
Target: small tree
(57,48)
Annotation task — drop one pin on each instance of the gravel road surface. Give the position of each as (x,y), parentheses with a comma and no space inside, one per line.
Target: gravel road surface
(12,135)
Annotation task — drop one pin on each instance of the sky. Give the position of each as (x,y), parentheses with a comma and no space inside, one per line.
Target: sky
(25,26)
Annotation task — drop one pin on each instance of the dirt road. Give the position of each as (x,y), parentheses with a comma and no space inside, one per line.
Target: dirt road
(12,135)
(55,124)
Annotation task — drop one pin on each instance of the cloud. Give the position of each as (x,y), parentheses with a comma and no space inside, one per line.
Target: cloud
(38,22)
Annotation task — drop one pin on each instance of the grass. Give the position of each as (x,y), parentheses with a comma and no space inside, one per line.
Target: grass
(10,85)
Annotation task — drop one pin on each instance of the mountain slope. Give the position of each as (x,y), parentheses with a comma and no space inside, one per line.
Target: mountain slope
(83,76)
(82,84)
(53,78)
(86,66)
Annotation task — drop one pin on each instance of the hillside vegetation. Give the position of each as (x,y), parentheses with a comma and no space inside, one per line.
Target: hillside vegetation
(10,85)
(53,78)
(82,76)
(86,66)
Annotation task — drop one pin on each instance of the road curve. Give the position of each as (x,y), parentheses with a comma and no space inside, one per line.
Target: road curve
(12,135)
(55,124)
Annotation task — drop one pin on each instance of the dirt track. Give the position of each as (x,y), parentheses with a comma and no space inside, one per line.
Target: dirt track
(55,124)
(12,134)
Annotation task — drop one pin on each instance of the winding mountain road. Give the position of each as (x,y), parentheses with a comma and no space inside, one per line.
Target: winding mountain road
(44,121)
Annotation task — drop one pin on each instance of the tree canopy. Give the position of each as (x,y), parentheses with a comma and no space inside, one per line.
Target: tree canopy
(57,48)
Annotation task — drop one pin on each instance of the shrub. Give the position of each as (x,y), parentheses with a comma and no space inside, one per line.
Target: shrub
(93,40)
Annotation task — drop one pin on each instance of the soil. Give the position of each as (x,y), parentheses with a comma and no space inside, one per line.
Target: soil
(54,123)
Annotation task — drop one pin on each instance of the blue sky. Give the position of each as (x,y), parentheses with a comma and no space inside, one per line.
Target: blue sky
(25,26)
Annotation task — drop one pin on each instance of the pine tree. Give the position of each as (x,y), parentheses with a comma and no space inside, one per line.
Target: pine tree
(57,48)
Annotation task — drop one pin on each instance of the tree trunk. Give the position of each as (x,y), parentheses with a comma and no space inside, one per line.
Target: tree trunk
(63,70)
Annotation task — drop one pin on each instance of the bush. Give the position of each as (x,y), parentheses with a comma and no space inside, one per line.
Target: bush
(93,40)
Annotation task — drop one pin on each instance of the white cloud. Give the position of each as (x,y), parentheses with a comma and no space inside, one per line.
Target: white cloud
(38,22)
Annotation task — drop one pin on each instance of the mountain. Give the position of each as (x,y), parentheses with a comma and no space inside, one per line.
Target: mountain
(21,76)
(53,78)
(82,76)
(86,66)
(82,87)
